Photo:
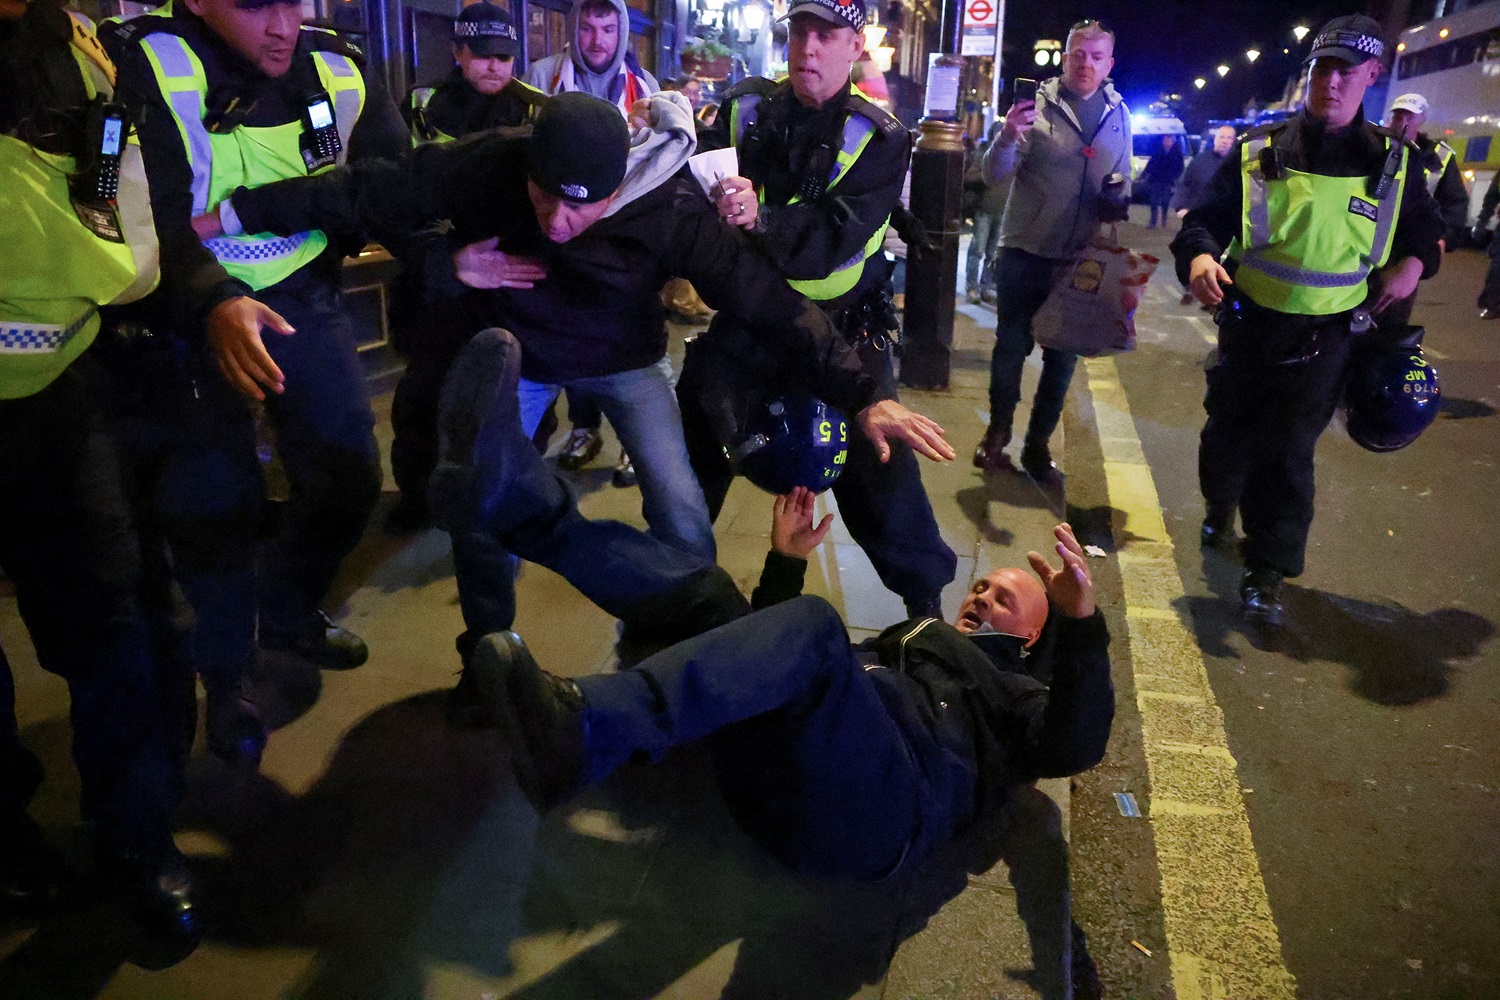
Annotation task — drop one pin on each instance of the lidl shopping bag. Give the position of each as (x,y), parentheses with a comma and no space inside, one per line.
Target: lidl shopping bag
(1091,308)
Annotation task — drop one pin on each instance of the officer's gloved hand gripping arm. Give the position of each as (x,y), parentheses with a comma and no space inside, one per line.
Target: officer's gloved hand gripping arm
(736,280)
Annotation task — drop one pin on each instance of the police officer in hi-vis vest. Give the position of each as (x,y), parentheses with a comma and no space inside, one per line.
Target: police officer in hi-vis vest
(821,171)
(76,233)
(1322,222)
(231,94)
(482,92)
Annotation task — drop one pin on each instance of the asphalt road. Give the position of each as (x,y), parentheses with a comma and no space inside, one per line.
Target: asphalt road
(1364,732)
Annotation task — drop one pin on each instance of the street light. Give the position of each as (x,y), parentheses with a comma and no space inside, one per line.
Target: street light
(1200,83)
(1252,54)
(1300,32)
(1223,69)
(754,16)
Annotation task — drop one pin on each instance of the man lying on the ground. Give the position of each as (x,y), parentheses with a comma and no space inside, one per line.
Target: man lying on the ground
(840,760)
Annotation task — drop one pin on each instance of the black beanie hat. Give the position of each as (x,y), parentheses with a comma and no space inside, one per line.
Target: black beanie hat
(579,145)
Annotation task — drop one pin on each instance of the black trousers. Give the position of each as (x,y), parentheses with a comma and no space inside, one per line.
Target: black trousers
(1268,403)
(883,504)
(1489,295)
(68,545)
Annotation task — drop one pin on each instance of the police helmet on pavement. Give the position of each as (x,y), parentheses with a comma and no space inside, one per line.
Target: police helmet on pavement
(1391,397)
(794,440)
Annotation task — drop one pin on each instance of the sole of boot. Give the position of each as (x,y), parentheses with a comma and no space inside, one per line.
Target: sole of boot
(478,394)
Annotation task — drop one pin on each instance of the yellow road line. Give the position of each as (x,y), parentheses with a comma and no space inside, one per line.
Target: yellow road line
(1218,920)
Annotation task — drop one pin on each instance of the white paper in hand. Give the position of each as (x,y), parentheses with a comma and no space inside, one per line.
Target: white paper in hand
(713,166)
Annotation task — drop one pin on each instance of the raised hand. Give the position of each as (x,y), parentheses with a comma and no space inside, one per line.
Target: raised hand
(792,530)
(1070,588)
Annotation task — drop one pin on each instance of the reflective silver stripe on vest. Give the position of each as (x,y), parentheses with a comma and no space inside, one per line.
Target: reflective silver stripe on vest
(187,105)
(1260,234)
(746,110)
(345,100)
(248,250)
(40,338)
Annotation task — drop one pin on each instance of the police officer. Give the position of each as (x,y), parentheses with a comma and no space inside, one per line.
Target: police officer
(1489,295)
(821,172)
(1307,210)
(76,233)
(481,92)
(1440,172)
(232,94)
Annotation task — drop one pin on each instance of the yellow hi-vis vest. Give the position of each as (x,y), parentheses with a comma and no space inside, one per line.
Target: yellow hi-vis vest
(858,131)
(56,272)
(249,157)
(1434,177)
(424,131)
(1308,242)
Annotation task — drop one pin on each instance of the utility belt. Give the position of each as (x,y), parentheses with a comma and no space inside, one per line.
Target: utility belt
(1284,338)
(870,320)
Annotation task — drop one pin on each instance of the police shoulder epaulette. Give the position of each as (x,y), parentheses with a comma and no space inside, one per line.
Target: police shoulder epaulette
(1259,131)
(757,85)
(323,40)
(886,123)
(528,93)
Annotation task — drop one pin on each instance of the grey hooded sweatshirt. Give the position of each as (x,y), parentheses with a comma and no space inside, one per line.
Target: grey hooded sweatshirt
(566,71)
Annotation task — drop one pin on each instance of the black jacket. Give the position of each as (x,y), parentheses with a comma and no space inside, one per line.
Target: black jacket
(457,109)
(980,696)
(599,311)
(1357,150)
(1192,187)
(810,239)
(196,283)
(1451,194)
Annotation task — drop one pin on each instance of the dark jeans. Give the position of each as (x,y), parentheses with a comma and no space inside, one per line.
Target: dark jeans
(1160,197)
(197,495)
(325,436)
(812,762)
(67,544)
(1022,281)
(1489,295)
(883,504)
(1264,421)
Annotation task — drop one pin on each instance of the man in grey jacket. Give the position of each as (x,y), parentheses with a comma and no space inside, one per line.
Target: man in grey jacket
(1069,156)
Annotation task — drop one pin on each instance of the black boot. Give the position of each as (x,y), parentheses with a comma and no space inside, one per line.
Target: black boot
(235,732)
(1218,525)
(1036,459)
(990,454)
(32,874)
(478,413)
(1260,592)
(160,891)
(541,718)
(409,516)
(319,641)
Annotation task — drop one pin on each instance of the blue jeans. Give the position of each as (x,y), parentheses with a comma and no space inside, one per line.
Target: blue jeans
(981,246)
(642,407)
(1022,281)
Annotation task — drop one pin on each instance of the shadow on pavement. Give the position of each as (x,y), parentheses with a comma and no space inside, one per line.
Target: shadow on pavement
(1398,656)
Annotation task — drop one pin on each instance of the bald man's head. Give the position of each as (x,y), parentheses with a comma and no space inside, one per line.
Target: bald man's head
(1010,601)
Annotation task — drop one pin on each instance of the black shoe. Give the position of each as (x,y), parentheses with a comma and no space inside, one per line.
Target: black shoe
(582,446)
(235,732)
(1260,592)
(319,641)
(1036,460)
(1218,526)
(540,716)
(990,455)
(32,874)
(479,425)
(407,517)
(161,893)
(1489,313)
(624,475)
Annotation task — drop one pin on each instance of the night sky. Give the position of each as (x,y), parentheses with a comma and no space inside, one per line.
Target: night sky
(1161,45)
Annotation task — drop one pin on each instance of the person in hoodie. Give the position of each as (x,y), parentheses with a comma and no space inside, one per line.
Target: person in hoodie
(571,238)
(597,60)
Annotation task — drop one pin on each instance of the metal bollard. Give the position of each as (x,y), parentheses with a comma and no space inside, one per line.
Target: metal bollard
(937,174)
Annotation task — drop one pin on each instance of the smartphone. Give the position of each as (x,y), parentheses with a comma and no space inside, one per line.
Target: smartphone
(1023,90)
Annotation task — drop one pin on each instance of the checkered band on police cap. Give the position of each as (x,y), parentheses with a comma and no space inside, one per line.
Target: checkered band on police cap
(487,30)
(849,13)
(1354,39)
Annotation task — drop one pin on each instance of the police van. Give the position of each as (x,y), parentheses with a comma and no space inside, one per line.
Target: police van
(1146,132)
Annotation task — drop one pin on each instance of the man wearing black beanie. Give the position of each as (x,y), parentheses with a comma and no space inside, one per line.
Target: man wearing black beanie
(566,247)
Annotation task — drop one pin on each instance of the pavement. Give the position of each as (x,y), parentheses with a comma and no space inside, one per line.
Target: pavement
(381,854)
